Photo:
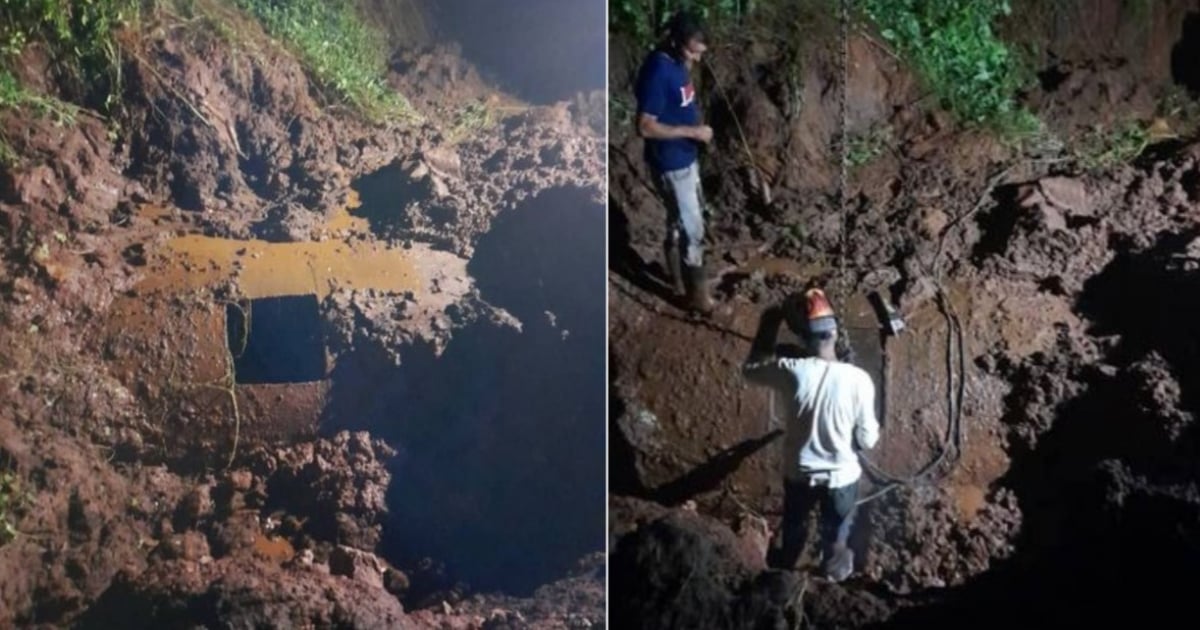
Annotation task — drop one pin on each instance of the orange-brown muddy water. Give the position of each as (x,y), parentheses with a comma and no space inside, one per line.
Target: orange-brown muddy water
(267,269)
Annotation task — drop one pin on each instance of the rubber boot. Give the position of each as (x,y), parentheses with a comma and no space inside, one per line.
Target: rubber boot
(697,291)
(840,563)
(674,262)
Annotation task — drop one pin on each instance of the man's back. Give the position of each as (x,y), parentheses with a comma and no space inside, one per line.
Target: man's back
(832,406)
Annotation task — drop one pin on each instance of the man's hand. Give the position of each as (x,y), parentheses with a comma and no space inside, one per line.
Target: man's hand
(763,346)
(793,308)
(702,133)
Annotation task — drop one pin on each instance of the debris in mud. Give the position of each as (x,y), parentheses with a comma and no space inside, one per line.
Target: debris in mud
(336,487)
(390,322)
(943,546)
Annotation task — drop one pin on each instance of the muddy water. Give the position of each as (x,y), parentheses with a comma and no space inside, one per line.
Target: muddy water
(170,336)
(268,269)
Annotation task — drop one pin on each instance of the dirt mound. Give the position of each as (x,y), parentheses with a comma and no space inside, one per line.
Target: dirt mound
(685,570)
(240,139)
(243,593)
(335,487)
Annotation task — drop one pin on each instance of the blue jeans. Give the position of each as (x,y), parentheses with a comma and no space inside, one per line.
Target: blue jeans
(680,190)
(837,505)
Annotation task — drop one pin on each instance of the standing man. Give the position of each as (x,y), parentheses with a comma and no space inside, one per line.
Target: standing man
(669,121)
(830,415)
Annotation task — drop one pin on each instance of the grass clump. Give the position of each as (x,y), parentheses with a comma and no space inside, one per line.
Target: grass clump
(863,148)
(15,96)
(471,119)
(954,49)
(1105,147)
(343,52)
(13,497)
(80,36)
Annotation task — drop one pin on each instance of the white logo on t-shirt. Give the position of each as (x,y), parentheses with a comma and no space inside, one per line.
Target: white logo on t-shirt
(687,95)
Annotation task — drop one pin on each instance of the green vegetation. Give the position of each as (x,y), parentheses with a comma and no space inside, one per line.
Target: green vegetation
(471,119)
(644,20)
(14,96)
(13,497)
(80,38)
(1177,104)
(952,46)
(78,34)
(344,53)
(1103,147)
(865,147)
(621,109)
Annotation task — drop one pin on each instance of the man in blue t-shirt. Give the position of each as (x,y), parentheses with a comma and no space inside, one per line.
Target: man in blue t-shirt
(669,121)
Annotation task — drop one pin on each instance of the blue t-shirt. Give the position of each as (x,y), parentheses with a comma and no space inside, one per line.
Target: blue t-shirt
(664,90)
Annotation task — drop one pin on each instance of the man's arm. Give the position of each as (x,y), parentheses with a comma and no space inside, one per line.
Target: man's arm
(762,366)
(652,102)
(866,430)
(651,129)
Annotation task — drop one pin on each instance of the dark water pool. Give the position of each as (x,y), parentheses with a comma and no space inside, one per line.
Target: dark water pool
(501,472)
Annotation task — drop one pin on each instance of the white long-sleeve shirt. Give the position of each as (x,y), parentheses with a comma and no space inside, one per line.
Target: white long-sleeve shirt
(830,405)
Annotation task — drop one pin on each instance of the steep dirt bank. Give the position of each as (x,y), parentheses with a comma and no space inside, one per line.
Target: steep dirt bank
(1075,415)
(180,301)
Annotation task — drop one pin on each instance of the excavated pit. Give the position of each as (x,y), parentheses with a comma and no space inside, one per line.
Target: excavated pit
(276,340)
(1109,492)
(497,433)
(1072,498)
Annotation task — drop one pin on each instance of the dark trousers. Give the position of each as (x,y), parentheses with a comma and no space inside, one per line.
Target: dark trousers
(837,506)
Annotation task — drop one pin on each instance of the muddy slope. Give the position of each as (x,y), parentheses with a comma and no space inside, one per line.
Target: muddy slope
(1070,290)
(159,474)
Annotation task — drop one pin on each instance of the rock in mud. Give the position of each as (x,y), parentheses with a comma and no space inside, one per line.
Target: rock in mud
(195,506)
(235,534)
(639,432)
(357,565)
(191,545)
(1066,193)
(338,484)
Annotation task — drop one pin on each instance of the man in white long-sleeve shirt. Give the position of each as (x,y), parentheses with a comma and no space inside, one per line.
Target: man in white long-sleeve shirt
(830,415)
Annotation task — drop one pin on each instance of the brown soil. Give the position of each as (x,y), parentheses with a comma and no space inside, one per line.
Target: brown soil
(1035,268)
(155,488)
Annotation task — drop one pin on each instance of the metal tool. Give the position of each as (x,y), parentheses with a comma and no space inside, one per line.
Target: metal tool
(889,318)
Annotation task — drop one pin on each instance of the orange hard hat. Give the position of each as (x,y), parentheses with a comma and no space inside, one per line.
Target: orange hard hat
(810,313)
(820,314)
